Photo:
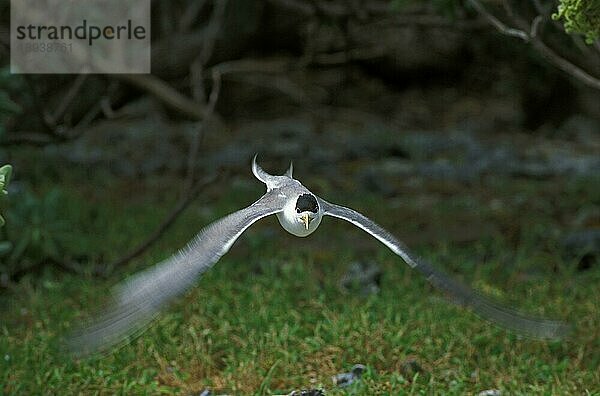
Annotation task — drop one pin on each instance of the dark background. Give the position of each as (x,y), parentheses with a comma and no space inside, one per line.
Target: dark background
(378,96)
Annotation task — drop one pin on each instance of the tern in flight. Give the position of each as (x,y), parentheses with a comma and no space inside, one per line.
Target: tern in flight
(137,300)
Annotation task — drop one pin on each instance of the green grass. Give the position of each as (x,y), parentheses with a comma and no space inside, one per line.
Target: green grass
(270,317)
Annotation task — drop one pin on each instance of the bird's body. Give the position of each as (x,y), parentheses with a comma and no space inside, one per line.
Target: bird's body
(299,211)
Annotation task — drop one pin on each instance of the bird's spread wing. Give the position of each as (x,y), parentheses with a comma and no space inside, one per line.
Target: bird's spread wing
(137,300)
(461,294)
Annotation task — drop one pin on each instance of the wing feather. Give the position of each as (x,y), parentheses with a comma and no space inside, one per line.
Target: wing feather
(137,300)
(461,294)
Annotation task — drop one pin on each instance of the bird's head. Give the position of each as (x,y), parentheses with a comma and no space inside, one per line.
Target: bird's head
(302,215)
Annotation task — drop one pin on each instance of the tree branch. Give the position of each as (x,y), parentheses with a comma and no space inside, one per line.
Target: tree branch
(67,99)
(539,45)
(565,65)
(190,191)
(166,94)
(190,14)
(183,203)
(499,25)
(39,139)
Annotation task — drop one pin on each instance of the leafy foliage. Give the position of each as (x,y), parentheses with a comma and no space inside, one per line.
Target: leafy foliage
(580,16)
(34,231)
(5,172)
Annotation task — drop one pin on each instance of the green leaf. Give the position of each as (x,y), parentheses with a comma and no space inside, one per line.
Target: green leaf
(579,16)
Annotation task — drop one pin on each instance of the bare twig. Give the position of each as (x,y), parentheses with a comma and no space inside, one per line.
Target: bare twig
(190,193)
(502,28)
(197,81)
(183,203)
(39,139)
(214,94)
(212,31)
(165,93)
(270,73)
(209,39)
(263,73)
(55,133)
(535,25)
(67,99)
(195,144)
(192,160)
(107,108)
(538,44)
(190,189)
(565,65)
(190,14)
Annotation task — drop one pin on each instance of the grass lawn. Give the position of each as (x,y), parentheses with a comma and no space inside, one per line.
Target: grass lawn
(271,317)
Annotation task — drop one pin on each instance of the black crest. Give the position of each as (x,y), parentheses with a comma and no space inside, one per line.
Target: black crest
(307,203)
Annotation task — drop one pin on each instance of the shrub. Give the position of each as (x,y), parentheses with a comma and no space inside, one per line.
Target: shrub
(580,16)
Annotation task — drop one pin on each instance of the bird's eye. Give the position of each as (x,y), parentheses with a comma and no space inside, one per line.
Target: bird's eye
(297,210)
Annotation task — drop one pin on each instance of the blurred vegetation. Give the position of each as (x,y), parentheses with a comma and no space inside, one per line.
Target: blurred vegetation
(580,16)
(35,232)
(5,173)
(268,319)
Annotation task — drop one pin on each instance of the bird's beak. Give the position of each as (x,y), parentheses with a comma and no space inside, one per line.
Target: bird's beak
(305,220)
